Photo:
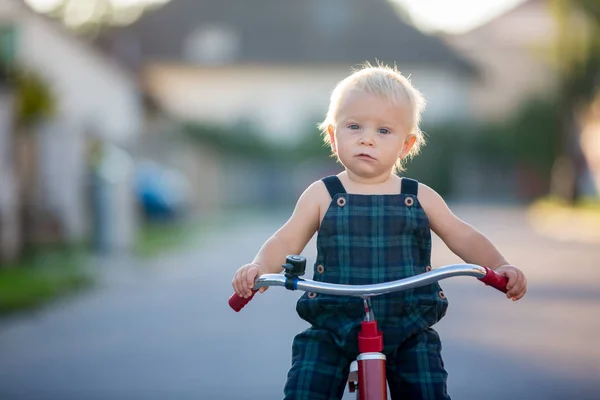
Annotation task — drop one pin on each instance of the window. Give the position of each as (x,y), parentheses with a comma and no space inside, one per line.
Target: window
(8,49)
(212,44)
(8,44)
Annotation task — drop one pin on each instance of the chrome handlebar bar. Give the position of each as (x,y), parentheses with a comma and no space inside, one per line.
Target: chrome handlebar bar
(423,279)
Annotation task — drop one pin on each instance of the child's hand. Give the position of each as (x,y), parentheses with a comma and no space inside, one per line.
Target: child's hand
(243,280)
(517,283)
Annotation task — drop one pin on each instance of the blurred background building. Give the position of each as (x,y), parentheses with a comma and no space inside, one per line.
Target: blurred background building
(66,96)
(274,63)
(512,52)
(154,109)
(267,68)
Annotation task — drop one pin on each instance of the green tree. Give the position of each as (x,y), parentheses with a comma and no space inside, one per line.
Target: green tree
(578,58)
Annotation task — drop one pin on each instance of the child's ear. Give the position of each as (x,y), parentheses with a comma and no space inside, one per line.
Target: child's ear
(331,132)
(408,144)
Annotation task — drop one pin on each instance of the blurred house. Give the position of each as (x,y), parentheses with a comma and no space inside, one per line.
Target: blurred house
(512,53)
(515,54)
(96,99)
(273,63)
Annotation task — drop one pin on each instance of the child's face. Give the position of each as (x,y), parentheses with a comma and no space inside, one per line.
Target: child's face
(371,134)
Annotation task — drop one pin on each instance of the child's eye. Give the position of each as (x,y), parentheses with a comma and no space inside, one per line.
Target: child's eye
(353,126)
(385,131)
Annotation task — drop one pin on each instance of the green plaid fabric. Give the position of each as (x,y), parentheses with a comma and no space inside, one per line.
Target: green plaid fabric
(415,370)
(365,239)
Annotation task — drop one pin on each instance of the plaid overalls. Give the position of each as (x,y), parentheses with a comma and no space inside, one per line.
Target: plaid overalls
(365,239)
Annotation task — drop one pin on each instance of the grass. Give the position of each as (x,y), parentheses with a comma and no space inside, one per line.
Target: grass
(577,222)
(40,278)
(585,208)
(155,238)
(585,203)
(50,274)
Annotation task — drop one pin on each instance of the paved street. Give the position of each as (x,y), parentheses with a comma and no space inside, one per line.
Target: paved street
(164,330)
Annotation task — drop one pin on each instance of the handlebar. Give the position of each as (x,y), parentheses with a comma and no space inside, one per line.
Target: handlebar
(484,274)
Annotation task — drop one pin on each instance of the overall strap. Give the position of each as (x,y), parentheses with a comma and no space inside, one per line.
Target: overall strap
(333,185)
(409,186)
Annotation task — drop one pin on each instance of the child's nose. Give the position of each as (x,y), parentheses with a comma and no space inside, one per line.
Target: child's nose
(367,139)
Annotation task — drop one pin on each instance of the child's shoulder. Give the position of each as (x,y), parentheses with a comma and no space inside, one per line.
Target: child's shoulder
(424,190)
(430,200)
(316,190)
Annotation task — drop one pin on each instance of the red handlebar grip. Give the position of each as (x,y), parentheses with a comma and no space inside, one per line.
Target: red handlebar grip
(237,303)
(495,280)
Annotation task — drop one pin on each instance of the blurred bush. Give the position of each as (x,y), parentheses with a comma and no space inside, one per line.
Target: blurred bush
(35,100)
(248,142)
(528,141)
(239,140)
(525,144)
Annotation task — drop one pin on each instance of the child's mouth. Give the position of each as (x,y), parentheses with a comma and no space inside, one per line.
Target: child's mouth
(365,156)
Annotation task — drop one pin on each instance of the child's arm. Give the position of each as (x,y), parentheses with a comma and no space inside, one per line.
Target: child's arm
(468,243)
(291,238)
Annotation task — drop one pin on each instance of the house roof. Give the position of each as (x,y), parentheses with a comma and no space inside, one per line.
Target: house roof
(288,32)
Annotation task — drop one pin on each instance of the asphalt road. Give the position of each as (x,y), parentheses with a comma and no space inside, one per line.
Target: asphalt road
(163,330)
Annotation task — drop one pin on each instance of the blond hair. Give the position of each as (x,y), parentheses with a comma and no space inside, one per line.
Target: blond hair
(387,82)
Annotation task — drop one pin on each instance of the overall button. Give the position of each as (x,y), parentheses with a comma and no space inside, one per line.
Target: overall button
(311,295)
(442,295)
(341,201)
(320,269)
(409,201)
